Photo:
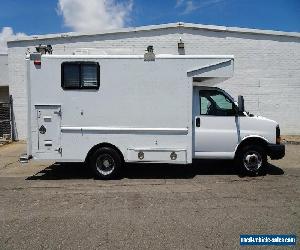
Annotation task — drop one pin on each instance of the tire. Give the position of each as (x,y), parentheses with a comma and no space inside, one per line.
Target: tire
(106,163)
(252,160)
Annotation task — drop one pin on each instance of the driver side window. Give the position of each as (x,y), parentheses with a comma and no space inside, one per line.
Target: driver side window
(204,105)
(215,103)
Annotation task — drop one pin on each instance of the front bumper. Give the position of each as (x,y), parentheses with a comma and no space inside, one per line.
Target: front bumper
(276,151)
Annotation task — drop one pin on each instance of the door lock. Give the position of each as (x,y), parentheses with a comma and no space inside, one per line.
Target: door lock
(59,150)
(42,129)
(57,112)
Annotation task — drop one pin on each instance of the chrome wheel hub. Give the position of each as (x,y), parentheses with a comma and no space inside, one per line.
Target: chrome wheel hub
(105,164)
(252,161)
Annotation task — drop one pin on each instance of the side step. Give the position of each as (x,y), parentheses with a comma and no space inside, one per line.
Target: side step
(24,158)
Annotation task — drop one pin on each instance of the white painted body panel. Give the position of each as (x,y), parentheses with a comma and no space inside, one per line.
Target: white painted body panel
(257,126)
(139,105)
(220,136)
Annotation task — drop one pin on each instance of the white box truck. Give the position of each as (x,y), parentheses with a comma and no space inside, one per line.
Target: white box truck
(106,110)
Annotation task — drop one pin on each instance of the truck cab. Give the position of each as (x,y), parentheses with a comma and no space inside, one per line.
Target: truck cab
(224,130)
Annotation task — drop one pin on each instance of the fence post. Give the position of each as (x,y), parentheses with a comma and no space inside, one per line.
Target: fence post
(12,120)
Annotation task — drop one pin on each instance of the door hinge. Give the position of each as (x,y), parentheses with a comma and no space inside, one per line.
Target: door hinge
(59,150)
(58,112)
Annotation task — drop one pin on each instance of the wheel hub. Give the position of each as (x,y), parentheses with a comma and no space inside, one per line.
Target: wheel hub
(105,164)
(252,161)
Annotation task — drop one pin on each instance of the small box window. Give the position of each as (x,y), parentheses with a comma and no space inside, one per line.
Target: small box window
(89,75)
(80,75)
(71,76)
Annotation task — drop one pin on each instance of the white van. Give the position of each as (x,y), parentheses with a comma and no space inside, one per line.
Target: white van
(106,110)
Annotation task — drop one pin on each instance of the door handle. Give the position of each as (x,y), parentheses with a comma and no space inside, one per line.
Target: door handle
(198,122)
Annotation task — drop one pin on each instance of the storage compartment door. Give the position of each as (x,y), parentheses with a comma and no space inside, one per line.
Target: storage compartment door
(49,122)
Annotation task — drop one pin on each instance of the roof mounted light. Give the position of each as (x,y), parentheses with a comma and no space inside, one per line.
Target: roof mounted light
(150,48)
(180,44)
(44,49)
(149,55)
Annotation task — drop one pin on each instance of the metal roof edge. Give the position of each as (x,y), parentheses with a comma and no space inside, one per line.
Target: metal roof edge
(158,56)
(241,30)
(112,31)
(191,71)
(158,27)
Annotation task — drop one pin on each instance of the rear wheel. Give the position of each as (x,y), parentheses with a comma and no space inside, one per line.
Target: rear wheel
(106,163)
(252,159)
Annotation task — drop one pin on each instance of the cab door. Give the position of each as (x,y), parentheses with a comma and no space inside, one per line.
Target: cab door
(216,128)
(49,123)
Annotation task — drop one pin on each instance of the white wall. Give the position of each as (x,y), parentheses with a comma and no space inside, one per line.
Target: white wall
(3,70)
(4,92)
(267,68)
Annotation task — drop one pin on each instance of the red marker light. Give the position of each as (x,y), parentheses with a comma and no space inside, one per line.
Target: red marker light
(37,62)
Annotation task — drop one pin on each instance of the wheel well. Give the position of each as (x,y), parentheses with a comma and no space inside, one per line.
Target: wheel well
(102,145)
(250,141)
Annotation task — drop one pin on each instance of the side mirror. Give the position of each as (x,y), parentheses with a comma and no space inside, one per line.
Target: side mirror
(241,104)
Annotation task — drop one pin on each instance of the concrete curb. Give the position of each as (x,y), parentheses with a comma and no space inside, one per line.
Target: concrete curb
(291,142)
(291,139)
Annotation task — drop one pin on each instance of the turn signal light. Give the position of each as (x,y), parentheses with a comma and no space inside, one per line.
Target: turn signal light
(278,140)
(278,137)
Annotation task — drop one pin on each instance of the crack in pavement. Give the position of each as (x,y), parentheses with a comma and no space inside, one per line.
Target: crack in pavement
(8,164)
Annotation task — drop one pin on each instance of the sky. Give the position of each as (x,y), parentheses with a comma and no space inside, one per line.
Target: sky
(21,18)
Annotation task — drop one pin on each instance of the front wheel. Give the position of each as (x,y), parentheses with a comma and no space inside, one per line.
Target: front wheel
(106,163)
(252,159)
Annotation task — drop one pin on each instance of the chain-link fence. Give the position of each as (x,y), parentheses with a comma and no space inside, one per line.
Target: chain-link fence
(6,121)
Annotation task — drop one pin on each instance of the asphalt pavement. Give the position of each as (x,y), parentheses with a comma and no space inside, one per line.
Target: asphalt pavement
(203,206)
